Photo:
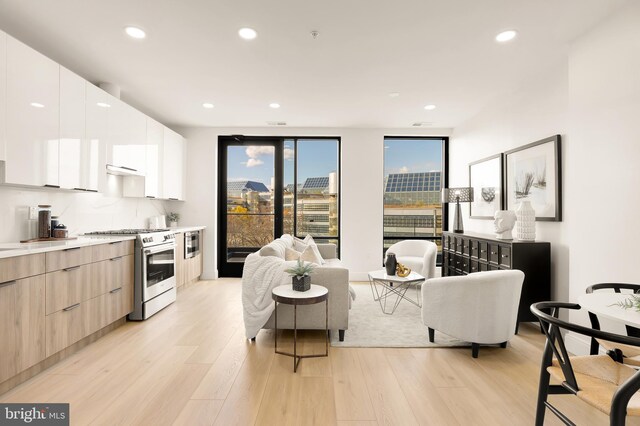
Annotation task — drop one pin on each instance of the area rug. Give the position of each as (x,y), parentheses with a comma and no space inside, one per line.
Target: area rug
(369,327)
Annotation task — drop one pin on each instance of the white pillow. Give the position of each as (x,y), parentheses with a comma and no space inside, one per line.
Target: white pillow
(308,240)
(298,245)
(308,255)
(291,254)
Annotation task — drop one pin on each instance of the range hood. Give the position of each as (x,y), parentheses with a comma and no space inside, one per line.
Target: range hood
(122,171)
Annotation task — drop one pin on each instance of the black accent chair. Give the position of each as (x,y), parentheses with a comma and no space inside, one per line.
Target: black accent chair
(622,353)
(598,380)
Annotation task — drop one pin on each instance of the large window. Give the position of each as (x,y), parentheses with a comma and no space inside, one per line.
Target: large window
(312,188)
(414,174)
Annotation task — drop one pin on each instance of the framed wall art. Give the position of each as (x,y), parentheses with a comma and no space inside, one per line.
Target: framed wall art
(485,177)
(533,173)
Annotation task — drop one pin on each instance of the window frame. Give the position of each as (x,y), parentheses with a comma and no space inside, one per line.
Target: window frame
(295,187)
(444,184)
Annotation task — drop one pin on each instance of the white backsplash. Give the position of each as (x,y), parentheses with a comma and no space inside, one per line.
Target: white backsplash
(79,211)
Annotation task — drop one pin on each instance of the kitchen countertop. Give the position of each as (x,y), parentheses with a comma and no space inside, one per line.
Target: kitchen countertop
(23,249)
(187,228)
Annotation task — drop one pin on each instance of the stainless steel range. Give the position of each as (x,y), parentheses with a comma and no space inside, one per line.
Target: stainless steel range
(155,267)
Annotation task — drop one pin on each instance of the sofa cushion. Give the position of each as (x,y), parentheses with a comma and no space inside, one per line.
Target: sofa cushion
(333,263)
(308,240)
(307,255)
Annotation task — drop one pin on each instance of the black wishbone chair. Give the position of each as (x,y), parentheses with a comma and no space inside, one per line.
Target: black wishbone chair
(621,353)
(596,379)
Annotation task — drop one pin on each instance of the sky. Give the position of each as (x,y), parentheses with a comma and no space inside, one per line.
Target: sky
(315,158)
(320,157)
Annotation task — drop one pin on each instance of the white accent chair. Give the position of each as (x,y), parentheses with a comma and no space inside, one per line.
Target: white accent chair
(418,255)
(480,308)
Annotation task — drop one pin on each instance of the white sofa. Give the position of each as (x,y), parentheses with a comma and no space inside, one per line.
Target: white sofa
(480,308)
(332,275)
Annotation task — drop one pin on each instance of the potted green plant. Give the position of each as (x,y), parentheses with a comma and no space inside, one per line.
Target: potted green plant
(300,275)
(173,219)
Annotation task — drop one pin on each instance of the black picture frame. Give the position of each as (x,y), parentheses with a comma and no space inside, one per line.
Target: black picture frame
(551,210)
(480,195)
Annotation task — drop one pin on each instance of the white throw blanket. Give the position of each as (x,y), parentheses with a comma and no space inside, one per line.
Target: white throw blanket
(260,275)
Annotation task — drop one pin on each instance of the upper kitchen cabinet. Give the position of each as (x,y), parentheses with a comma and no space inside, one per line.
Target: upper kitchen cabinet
(97,109)
(33,114)
(3,94)
(155,144)
(72,129)
(126,138)
(173,168)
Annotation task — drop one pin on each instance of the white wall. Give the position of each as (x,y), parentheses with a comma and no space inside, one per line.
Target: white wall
(593,101)
(81,212)
(361,198)
(537,110)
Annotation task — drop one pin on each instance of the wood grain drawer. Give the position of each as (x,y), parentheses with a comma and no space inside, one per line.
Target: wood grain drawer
(22,325)
(66,327)
(111,250)
(103,310)
(109,274)
(15,268)
(67,287)
(67,258)
(475,249)
(475,267)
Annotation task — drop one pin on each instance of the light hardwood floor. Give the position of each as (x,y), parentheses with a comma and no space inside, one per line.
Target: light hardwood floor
(191,365)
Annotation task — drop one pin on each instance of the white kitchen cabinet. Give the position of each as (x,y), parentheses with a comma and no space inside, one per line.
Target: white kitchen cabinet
(72,129)
(173,165)
(126,137)
(3,94)
(97,109)
(154,154)
(33,114)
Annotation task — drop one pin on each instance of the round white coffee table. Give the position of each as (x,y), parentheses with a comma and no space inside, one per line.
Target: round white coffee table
(393,285)
(285,294)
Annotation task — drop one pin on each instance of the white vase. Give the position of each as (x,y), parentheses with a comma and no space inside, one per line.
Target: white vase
(173,224)
(526,223)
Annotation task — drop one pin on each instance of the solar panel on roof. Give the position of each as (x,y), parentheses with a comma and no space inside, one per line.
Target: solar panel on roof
(248,185)
(316,182)
(411,182)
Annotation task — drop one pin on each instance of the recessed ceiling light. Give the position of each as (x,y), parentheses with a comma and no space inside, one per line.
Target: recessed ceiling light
(37,105)
(506,36)
(207,105)
(103,105)
(135,32)
(247,33)
(429,107)
(394,94)
(274,105)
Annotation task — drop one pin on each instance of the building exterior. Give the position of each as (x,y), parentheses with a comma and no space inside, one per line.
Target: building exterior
(412,206)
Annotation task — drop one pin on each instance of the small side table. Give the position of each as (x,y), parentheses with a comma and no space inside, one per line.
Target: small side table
(285,294)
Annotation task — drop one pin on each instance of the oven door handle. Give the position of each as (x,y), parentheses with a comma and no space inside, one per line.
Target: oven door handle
(159,249)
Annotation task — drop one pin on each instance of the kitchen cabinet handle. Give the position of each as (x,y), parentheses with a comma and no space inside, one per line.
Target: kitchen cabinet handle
(79,189)
(128,168)
(114,242)
(72,248)
(91,190)
(8,283)
(73,268)
(51,186)
(151,196)
(115,290)
(69,308)
(173,199)
(504,256)
(115,258)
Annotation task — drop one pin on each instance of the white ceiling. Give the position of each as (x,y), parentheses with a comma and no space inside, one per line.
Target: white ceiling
(431,51)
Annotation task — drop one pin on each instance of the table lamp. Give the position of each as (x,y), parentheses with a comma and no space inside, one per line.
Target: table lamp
(457,195)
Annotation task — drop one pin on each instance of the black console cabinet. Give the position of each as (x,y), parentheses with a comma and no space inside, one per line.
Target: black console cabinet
(466,253)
